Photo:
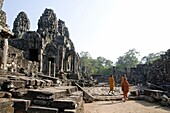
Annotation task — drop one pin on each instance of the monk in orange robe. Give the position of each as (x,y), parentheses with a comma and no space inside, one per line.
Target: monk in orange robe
(111,83)
(125,88)
(122,80)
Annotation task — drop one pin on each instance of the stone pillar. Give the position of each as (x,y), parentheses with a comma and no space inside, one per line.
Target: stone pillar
(58,58)
(41,61)
(74,62)
(5,55)
(49,68)
(54,66)
(62,60)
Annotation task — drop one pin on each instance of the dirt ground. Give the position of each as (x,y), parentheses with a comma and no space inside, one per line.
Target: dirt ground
(124,107)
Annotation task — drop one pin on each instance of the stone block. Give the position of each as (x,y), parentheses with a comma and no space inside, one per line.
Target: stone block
(18,84)
(49,82)
(41,102)
(38,109)
(21,104)
(69,89)
(46,93)
(64,103)
(20,93)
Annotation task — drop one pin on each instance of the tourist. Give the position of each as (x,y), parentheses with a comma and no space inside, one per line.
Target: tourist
(111,84)
(125,88)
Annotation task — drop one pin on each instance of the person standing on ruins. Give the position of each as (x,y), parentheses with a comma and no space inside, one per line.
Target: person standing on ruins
(111,84)
(125,88)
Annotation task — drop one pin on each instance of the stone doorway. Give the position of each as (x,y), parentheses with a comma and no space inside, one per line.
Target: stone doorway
(33,54)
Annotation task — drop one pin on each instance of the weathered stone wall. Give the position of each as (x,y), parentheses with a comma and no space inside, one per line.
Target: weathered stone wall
(156,73)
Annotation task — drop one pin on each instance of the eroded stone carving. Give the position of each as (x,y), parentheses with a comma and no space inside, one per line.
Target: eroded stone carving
(47,24)
(21,24)
(2,18)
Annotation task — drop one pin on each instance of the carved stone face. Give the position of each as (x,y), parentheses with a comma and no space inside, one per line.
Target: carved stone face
(47,23)
(21,24)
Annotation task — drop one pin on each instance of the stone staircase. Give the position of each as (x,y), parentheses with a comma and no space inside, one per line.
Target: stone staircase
(33,95)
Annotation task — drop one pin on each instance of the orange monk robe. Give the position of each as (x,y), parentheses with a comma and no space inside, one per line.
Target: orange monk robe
(125,88)
(121,84)
(111,83)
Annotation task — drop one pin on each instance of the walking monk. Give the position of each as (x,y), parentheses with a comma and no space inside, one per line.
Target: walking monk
(122,80)
(125,88)
(111,83)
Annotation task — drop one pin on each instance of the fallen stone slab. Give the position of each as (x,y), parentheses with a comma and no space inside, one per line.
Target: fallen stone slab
(87,96)
(156,94)
(38,109)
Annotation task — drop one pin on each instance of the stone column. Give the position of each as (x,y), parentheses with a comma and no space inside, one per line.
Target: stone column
(58,59)
(62,60)
(54,66)
(5,54)
(41,60)
(49,68)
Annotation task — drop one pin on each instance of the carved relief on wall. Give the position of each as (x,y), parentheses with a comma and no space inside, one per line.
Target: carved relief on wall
(21,24)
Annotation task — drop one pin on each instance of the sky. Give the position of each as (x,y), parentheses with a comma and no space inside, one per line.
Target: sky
(106,28)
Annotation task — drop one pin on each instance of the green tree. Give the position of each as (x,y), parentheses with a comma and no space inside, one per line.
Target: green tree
(128,60)
(91,66)
(151,57)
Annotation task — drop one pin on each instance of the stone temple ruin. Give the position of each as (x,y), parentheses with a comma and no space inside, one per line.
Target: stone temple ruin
(38,68)
(49,48)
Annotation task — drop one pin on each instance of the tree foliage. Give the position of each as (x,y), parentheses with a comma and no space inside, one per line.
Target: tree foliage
(151,57)
(128,60)
(91,66)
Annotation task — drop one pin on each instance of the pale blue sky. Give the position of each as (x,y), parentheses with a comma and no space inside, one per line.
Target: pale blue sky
(106,28)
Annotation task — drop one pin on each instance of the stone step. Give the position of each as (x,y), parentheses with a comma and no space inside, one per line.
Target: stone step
(51,93)
(71,102)
(46,93)
(21,104)
(38,109)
